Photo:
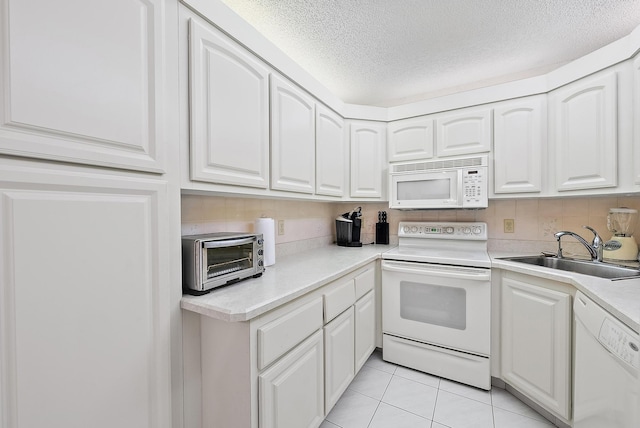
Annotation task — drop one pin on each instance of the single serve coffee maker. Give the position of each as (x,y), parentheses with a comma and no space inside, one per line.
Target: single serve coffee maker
(348,227)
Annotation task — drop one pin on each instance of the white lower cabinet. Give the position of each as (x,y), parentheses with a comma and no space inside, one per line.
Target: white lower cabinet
(285,368)
(365,324)
(536,328)
(291,391)
(339,350)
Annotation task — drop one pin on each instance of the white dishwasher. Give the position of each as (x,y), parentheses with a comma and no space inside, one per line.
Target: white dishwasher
(607,361)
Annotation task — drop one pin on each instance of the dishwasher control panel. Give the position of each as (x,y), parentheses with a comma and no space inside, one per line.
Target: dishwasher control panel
(620,343)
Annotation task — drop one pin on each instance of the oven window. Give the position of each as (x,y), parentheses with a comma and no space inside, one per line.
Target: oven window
(433,304)
(439,189)
(224,260)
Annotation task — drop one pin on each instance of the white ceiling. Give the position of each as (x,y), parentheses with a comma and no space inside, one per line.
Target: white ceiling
(391,52)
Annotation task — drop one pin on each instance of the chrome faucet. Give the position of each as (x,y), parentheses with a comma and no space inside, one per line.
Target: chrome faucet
(595,248)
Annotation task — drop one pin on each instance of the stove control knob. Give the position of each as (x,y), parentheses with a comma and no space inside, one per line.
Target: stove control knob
(449,230)
(414,229)
(466,230)
(406,229)
(477,230)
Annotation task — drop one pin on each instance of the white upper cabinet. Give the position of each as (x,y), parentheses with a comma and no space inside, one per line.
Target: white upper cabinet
(410,139)
(636,120)
(583,132)
(463,132)
(229,116)
(519,145)
(292,137)
(330,152)
(87,82)
(367,157)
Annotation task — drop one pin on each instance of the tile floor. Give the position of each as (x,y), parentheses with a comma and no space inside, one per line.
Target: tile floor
(384,395)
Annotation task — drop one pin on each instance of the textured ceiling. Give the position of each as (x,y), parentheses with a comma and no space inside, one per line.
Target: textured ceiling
(391,52)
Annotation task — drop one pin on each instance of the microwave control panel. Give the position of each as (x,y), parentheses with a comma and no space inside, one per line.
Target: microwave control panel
(474,187)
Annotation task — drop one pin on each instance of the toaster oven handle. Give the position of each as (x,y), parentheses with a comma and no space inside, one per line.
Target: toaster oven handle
(227,242)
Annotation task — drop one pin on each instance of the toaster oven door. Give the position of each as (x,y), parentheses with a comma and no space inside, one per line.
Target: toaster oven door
(223,260)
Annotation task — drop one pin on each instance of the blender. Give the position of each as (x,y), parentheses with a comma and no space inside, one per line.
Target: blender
(622,246)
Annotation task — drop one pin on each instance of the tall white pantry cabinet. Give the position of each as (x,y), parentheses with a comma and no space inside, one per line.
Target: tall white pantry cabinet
(89,310)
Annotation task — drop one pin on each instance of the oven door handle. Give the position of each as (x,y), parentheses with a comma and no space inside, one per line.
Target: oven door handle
(458,272)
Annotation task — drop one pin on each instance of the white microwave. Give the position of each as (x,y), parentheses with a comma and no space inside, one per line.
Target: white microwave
(459,182)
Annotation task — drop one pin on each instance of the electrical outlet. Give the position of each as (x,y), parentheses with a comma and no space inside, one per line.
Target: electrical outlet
(509,225)
(280,227)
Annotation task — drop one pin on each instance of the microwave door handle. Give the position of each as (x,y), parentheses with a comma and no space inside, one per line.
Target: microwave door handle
(227,242)
(459,273)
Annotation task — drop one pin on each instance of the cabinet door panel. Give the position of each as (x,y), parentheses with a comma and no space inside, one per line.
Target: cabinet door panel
(410,139)
(519,146)
(291,392)
(292,138)
(585,133)
(463,132)
(367,144)
(365,312)
(536,343)
(87,82)
(636,120)
(84,302)
(330,152)
(338,351)
(229,94)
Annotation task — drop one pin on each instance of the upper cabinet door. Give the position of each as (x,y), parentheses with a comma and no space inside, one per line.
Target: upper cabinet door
(330,152)
(636,120)
(519,145)
(229,95)
(410,139)
(88,82)
(367,170)
(463,132)
(584,133)
(292,138)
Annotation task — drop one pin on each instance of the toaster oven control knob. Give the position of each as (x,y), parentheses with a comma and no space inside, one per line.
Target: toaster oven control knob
(260,262)
(260,252)
(260,241)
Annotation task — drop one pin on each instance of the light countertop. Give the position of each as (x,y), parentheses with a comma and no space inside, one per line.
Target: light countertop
(295,275)
(290,277)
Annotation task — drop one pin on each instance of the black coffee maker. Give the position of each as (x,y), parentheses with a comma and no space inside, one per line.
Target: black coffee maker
(348,227)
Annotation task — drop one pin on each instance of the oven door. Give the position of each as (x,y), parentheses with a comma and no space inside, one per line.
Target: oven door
(447,306)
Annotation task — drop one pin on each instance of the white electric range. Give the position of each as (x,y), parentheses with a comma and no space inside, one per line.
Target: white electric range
(436,301)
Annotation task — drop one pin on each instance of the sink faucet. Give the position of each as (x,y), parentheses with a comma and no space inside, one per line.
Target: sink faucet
(595,248)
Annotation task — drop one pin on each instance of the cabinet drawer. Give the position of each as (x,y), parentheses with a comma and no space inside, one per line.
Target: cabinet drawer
(284,333)
(365,282)
(338,299)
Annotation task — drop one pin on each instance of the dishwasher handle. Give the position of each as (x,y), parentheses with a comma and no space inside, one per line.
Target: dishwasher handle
(456,272)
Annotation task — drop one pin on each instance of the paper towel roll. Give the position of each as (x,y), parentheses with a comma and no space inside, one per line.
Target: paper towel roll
(267,227)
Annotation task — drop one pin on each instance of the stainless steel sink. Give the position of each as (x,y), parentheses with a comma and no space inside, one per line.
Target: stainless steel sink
(599,269)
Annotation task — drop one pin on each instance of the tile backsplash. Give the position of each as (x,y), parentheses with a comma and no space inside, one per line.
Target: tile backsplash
(309,224)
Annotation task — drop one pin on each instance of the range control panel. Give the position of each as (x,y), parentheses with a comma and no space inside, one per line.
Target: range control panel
(433,230)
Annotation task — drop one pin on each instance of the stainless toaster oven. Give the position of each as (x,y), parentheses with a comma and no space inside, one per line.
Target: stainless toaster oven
(217,259)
